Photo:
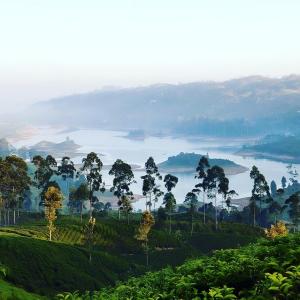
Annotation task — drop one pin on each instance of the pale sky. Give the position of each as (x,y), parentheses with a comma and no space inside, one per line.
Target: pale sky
(50,48)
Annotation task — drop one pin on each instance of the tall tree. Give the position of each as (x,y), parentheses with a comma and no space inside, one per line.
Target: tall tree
(125,205)
(214,180)
(89,236)
(53,200)
(78,196)
(274,208)
(45,169)
(283,182)
(91,169)
(260,191)
(147,222)
(273,188)
(151,189)
(203,165)
(20,180)
(191,199)
(123,178)
(169,199)
(293,203)
(67,171)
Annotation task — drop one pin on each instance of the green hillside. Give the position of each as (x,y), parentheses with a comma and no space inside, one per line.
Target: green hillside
(265,270)
(47,268)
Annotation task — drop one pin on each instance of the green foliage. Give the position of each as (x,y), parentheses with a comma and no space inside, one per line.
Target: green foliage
(265,270)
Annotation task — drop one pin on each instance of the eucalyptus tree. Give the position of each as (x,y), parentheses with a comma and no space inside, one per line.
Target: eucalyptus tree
(78,196)
(275,209)
(20,181)
(223,189)
(214,181)
(53,200)
(46,168)
(191,199)
(169,200)
(67,171)
(147,221)
(125,205)
(260,191)
(123,178)
(150,187)
(283,182)
(91,170)
(203,165)
(293,203)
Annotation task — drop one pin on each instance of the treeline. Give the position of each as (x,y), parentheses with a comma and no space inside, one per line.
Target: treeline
(265,207)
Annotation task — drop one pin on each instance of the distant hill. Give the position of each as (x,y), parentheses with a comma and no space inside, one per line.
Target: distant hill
(43,148)
(247,106)
(187,163)
(276,147)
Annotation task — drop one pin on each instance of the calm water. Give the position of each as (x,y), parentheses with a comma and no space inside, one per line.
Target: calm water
(113,145)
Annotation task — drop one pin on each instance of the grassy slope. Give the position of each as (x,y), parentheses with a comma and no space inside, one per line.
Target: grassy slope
(10,292)
(241,269)
(47,268)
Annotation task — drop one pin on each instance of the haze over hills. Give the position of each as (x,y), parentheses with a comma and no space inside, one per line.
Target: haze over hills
(235,107)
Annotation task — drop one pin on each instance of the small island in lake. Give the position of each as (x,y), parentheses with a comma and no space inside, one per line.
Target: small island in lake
(187,163)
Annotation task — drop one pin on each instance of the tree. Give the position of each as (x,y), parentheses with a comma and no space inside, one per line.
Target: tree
(91,169)
(20,181)
(53,199)
(215,183)
(123,178)
(78,196)
(293,203)
(14,182)
(45,169)
(273,188)
(203,165)
(277,230)
(191,199)
(283,182)
(169,199)
(125,205)
(147,222)
(275,209)
(260,191)
(67,171)
(150,187)
(89,236)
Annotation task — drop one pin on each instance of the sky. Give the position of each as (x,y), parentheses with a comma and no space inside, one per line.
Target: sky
(51,48)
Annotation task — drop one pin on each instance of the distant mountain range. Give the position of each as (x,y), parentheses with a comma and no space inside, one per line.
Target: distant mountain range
(242,107)
(43,148)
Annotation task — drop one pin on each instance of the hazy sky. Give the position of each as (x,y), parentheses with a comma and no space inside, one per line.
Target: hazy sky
(57,47)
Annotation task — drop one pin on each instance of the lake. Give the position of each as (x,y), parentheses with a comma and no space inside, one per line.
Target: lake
(114,145)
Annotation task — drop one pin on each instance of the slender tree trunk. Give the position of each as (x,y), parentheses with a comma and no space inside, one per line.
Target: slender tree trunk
(170,224)
(204,209)
(192,229)
(8,221)
(216,213)
(91,196)
(81,208)
(254,223)
(14,212)
(119,213)
(127,218)
(147,254)
(50,234)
